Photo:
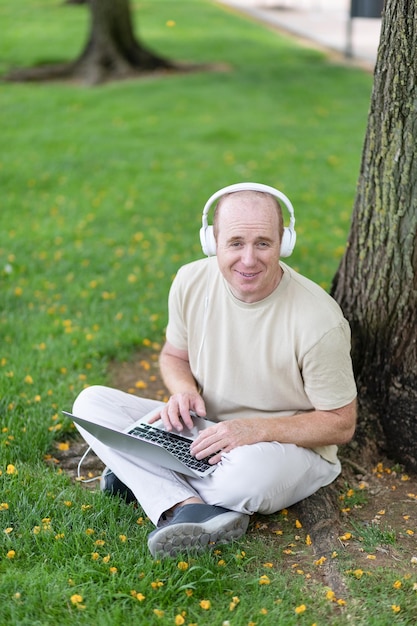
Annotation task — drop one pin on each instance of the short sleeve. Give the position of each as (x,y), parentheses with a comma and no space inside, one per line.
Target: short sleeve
(327,370)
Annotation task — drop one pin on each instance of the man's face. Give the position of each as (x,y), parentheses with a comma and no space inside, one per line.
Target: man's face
(248,245)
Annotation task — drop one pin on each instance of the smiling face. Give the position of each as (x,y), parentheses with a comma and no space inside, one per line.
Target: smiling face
(248,238)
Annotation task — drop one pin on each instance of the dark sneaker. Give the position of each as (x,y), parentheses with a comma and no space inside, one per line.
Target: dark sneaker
(197,527)
(109,483)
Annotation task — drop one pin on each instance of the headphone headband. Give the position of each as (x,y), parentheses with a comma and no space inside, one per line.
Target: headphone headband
(206,232)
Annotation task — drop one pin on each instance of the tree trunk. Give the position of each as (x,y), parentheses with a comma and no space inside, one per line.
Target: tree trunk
(112,52)
(376,283)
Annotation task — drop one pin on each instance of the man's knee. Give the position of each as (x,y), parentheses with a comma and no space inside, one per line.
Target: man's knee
(86,398)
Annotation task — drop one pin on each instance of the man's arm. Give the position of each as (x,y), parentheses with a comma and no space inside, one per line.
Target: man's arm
(180,382)
(308,430)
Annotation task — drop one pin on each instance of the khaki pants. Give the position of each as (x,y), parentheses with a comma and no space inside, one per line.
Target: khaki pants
(264,477)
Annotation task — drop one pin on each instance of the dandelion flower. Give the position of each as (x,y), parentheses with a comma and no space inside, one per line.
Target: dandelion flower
(205,604)
(11,554)
(300,609)
(264,580)
(179,620)
(182,565)
(76,598)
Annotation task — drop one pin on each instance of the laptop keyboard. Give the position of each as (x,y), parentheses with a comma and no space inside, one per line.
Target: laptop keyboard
(177,445)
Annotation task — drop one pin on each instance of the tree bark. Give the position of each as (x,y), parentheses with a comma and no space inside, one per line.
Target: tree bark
(376,283)
(112,52)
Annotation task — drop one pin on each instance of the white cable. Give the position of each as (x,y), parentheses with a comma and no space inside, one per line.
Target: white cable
(85,480)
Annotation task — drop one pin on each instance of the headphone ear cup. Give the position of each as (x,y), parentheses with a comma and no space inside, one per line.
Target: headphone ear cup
(288,242)
(208,241)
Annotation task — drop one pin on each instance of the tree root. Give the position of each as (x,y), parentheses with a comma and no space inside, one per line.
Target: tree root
(319,515)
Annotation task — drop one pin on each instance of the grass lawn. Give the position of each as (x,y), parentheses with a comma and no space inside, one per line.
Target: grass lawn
(102,192)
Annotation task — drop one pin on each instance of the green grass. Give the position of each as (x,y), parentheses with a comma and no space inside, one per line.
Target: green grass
(102,192)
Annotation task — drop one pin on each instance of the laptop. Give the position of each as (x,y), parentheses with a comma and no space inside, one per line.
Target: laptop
(153,443)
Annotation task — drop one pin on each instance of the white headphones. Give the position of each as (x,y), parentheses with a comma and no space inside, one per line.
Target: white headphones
(208,242)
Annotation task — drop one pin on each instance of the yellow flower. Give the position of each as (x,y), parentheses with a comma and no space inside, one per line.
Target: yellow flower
(122,538)
(205,604)
(308,540)
(156,584)
(320,561)
(76,598)
(298,524)
(95,556)
(264,580)
(300,609)
(106,559)
(29,380)
(358,573)
(158,612)
(113,570)
(179,620)
(330,595)
(64,445)
(11,554)
(11,469)
(397,584)
(8,530)
(396,608)
(140,597)
(182,565)
(4,506)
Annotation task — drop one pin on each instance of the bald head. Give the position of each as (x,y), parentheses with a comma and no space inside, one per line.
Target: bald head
(248,199)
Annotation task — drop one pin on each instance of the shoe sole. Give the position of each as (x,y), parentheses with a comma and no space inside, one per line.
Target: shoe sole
(181,537)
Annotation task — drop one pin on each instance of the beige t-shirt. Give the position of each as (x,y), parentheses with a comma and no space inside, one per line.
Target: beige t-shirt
(285,354)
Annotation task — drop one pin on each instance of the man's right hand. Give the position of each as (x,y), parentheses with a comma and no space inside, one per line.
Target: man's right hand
(176,413)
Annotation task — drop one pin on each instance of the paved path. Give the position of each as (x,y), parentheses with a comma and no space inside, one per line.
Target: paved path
(324,22)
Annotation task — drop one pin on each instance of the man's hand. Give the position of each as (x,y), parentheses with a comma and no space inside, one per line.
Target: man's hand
(176,413)
(225,436)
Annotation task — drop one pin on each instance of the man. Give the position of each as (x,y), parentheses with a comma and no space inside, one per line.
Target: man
(262,351)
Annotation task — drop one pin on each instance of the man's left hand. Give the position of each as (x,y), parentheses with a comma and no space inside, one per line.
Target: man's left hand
(225,436)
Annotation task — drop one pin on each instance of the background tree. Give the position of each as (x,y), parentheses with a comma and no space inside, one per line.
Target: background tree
(376,283)
(112,51)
